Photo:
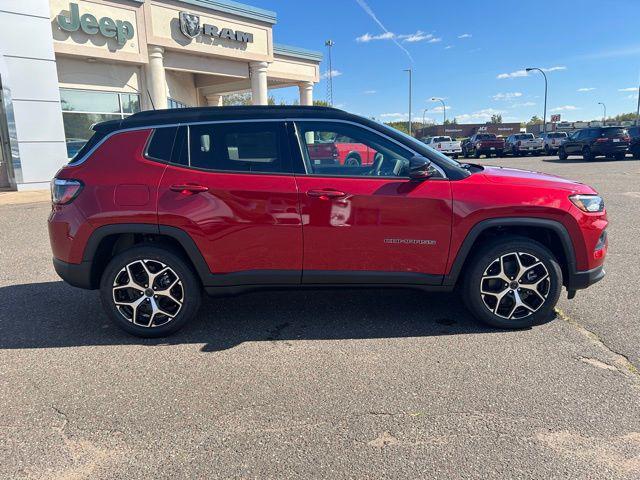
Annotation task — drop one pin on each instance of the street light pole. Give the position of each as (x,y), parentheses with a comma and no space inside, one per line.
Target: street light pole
(444,110)
(546,85)
(604,118)
(329,44)
(410,94)
(638,109)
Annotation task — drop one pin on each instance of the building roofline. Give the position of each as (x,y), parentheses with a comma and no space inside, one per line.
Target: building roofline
(297,52)
(234,8)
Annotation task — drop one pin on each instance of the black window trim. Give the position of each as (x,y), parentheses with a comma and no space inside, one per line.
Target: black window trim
(368,177)
(284,148)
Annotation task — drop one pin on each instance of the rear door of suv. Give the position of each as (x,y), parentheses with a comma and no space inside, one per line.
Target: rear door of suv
(370,223)
(230,187)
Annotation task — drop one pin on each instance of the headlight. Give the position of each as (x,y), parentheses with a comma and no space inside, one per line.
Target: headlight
(588,203)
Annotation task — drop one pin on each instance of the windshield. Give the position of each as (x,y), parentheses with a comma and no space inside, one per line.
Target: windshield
(442,139)
(524,136)
(486,136)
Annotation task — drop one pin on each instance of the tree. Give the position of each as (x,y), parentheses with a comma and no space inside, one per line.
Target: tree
(321,103)
(535,120)
(496,118)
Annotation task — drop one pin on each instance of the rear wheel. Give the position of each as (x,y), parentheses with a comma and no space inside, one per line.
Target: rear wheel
(149,291)
(476,153)
(514,282)
(587,154)
(352,161)
(619,156)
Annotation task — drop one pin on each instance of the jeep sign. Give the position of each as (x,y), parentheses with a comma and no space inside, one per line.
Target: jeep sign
(107,27)
(190,27)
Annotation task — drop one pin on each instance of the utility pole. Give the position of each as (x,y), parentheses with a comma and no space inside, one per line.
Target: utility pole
(329,44)
(410,94)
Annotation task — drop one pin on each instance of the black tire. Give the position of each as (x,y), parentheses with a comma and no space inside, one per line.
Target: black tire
(587,154)
(562,155)
(352,160)
(187,290)
(527,249)
(476,153)
(636,153)
(465,154)
(547,150)
(500,153)
(619,156)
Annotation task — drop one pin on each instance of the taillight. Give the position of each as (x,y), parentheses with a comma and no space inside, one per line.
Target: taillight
(334,151)
(64,191)
(626,139)
(602,140)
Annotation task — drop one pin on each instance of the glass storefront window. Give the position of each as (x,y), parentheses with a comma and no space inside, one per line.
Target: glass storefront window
(82,108)
(171,103)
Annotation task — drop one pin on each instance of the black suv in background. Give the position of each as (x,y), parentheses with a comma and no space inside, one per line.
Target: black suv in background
(634,145)
(610,142)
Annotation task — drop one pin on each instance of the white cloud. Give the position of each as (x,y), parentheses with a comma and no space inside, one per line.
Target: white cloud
(448,47)
(419,36)
(332,74)
(517,73)
(367,37)
(395,116)
(465,35)
(564,108)
(507,96)
(586,89)
(555,69)
(367,9)
(632,97)
(524,73)
(629,89)
(481,115)
(440,109)
(523,104)
(370,92)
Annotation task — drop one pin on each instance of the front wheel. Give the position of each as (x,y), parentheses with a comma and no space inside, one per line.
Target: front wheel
(619,156)
(149,291)
(562,154)
(476,153)
(514,282)
(587,155)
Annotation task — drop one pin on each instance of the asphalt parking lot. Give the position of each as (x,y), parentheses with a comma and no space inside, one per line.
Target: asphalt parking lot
(351,384)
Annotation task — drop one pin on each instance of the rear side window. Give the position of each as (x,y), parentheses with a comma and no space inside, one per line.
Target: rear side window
(161,143)
(237,147)
(613,132)
(93,141)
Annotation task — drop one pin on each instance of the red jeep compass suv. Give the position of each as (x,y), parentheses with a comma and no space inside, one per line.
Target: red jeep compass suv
(162,205)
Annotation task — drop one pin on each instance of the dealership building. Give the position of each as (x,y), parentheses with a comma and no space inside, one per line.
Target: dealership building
(465,130)
(67,64)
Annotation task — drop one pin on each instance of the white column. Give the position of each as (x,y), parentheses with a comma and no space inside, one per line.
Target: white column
(213,100)
(306,93)
(259,91)
(156,79)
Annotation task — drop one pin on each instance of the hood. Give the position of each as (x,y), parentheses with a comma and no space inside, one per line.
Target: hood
(514,176)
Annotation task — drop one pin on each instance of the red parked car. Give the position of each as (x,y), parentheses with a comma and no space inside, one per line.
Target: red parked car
(341,150)
(483,144)
(163,205)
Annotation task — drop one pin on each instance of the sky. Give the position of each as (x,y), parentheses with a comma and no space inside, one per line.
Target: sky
(471,53)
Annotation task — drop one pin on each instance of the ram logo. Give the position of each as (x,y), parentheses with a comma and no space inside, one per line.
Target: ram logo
(189,24)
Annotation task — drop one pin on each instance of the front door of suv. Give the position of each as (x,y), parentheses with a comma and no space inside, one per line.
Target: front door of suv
(370,223)
(229,186)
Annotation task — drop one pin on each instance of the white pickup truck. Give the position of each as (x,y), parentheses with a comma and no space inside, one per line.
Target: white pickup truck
(444,145)
(523,143)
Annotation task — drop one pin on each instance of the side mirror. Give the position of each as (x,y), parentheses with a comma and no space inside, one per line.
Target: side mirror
(419,168)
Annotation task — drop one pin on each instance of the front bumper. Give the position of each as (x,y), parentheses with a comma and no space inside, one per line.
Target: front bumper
(75,274)
(582,279)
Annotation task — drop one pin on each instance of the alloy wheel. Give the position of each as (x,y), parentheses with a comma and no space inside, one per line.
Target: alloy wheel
(148,293)
(515,285)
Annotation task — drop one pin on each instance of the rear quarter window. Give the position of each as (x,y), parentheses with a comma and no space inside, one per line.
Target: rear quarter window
(161,144)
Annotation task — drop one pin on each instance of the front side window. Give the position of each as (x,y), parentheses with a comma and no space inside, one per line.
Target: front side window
(235,147)
(83,108)
(365,154)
